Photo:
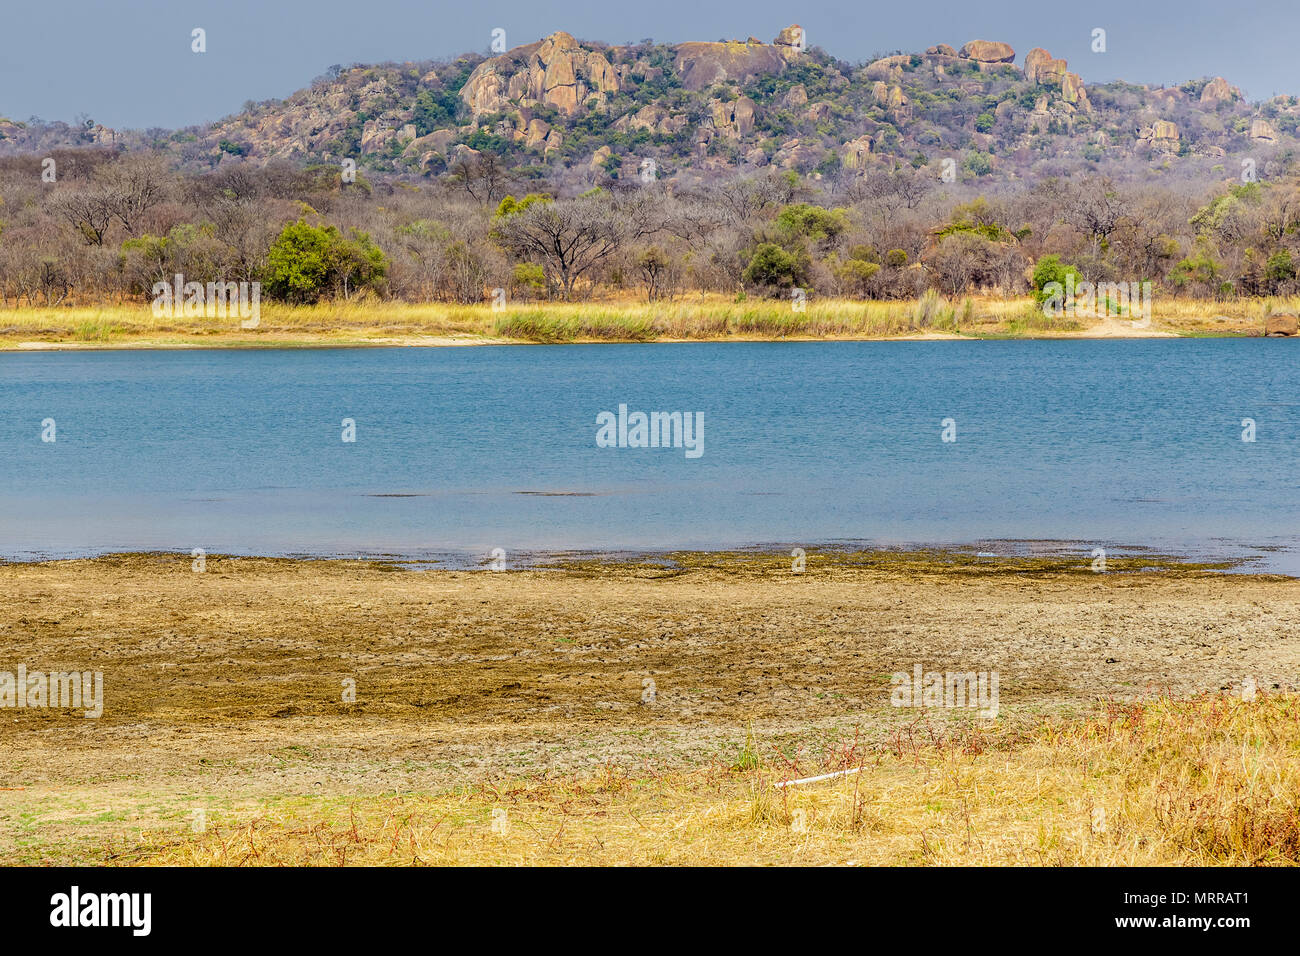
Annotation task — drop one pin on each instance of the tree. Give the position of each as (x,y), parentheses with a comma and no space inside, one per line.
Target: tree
(305,262)
(1280,269)
(1095,207)
(887,193)
(654,265)
(978,163)
(1200,273)
(433,111)
(86,211)
(192,251)
(355,262)
(1050,269)
(567,237)
(742,199)
(774,269)
(963,260)
(132,186)
(804,221)
(956,260)
(424,241)
(481,175)
(466,272)
(856,273)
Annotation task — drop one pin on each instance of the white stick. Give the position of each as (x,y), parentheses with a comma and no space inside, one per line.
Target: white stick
(825,776)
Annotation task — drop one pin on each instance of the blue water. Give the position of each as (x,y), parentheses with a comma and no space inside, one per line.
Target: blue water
(1082,443)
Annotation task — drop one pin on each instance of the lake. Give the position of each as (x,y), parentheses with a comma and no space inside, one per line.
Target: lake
(1059,445)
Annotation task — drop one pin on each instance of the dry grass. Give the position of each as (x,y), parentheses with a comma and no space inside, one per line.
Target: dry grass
(1202,782)
(690,318)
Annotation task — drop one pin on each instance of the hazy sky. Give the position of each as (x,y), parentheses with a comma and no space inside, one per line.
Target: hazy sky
(128,62)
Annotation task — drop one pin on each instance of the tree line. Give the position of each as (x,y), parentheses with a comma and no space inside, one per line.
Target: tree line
(112,224)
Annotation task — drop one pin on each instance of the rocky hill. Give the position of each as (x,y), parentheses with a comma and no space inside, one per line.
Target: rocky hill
(563,106)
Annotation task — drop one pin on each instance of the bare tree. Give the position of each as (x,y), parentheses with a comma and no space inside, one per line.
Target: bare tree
(885,194)
(483,176)
(743,199)
(132,186)
(567,237)
(86,210)
(1095,208)
(642,212)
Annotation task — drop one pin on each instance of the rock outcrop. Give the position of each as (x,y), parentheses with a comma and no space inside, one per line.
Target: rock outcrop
(1042,69)
(988,51)
(1281,323)
(536,133)
(1072,92)
(856,153)
(653,118)
(1262,131)
(709,105)
(796,96)
(556,72)
(1160,135)
(1218,91)
(889,67)
(791,41)
(796,154)
(735,119)
(700,65)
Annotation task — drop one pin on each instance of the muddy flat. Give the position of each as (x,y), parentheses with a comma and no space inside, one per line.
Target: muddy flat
(233,684)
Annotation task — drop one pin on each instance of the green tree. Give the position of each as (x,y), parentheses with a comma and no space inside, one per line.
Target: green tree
(773,268)
(980,164)
(804,221)
(1280,268)
(355,262)
(1199,273)
(856,274)
(298,263)
(1051,269)
(307,262)
(434,111)
(510,205)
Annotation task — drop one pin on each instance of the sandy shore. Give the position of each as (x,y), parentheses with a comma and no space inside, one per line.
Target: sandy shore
(1106,330)
(228,685)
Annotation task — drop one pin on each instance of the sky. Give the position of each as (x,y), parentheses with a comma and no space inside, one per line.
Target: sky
(129,63)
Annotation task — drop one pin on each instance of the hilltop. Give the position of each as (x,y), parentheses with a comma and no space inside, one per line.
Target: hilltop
(566,170)
(590,110)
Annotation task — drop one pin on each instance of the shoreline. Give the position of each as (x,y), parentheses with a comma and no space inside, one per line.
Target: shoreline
(1011,556)
(438,341)
(388,324)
